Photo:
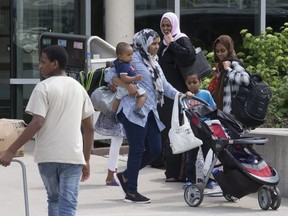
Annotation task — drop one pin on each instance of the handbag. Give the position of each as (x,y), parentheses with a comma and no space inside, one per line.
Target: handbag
(181,137)
(200,65)
(102,99)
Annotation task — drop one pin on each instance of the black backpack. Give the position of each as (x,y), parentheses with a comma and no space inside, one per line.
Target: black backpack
(250,104)
(92,79)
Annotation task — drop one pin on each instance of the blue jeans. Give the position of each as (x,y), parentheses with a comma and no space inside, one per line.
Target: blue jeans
(61,181)
(144,146)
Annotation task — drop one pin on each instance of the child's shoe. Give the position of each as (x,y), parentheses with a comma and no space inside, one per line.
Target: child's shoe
(213,189)
(187,184)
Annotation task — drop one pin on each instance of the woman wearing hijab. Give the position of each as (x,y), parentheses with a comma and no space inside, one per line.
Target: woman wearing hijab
(176,51)
(143,134)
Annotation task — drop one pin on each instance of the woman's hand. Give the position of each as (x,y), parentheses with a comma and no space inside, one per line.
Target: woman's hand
(132,89)
(113,88)
(168,38)
(226,65)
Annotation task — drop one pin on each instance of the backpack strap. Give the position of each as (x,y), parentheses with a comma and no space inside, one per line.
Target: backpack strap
(102,76)
(90,75)
(82,78)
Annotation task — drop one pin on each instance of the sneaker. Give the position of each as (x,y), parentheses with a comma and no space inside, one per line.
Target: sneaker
(215,191)
(138,112)
(211,184)
(138,198)
(118,177)
(186,184)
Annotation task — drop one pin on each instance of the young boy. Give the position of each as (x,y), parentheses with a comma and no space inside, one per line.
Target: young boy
(59,106)
(193,83)
(126,72)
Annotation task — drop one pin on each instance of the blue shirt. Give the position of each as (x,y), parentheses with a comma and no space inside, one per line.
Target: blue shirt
(127,104)
(124,68)
(205,96)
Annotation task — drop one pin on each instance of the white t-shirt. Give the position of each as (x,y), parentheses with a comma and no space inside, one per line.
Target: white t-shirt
(63,102)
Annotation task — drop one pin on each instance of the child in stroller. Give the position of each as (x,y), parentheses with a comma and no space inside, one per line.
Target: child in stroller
(244,170)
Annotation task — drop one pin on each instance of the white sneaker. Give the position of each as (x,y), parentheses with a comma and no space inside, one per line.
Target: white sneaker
(215,191)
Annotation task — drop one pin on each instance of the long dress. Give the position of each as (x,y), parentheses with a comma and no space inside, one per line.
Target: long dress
(181,52)
(106,125)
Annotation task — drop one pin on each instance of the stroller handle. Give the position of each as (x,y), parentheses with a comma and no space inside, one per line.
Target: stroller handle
(241,141)
(249,140)
(194,98)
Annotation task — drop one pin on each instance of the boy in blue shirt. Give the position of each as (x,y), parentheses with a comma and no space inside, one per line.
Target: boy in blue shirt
(193,83)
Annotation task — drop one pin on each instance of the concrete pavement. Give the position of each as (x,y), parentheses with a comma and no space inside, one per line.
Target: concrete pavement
(96,198)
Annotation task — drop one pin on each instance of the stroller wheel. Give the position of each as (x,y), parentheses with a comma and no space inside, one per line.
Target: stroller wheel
(193,195)
(264,198)
(276,198)
(230,198)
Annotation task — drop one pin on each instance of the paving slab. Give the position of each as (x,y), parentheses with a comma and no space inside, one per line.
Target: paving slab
(96,198)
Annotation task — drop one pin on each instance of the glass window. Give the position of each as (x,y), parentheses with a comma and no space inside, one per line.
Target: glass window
(4,58)
(33,17)
(19,51)
(203,21)
(276,13)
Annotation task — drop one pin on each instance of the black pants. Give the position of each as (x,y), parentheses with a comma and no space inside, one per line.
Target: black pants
(174,163)
(191,158)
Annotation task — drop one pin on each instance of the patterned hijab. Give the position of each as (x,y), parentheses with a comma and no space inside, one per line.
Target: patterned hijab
(141,42)
(175,31)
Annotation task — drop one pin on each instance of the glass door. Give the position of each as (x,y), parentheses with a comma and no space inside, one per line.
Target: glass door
(4,58)
(21,24)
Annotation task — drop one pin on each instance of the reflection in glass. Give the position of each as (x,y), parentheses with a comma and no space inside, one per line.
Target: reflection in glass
(205,20)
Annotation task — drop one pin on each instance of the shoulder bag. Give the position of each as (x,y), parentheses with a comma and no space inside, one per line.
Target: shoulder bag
(181,137)
(200,65)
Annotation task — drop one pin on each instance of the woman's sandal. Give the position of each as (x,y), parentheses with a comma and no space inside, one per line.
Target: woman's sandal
(113,183)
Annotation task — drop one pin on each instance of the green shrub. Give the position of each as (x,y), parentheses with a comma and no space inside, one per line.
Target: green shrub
(267,55)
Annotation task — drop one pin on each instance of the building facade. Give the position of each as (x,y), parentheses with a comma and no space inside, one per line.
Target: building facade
(23,21)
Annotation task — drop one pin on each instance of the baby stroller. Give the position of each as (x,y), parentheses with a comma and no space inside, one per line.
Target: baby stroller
(243,170)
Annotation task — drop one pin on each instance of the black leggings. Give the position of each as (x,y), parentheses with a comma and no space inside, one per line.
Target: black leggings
(191,158)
